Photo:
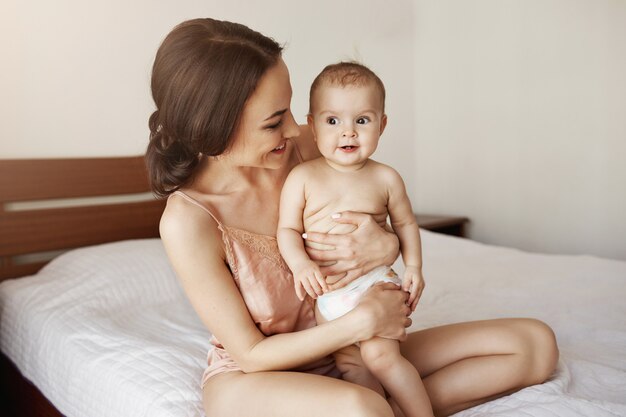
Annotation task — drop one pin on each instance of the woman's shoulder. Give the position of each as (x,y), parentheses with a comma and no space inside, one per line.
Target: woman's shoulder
(305,144)
(184,222)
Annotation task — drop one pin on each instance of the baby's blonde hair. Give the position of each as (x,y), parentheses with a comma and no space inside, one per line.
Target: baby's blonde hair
(346,74)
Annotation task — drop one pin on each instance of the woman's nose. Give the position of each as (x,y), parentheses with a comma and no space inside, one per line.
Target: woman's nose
(290,127)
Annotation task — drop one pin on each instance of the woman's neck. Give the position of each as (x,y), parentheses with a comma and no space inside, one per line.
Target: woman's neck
(221,176)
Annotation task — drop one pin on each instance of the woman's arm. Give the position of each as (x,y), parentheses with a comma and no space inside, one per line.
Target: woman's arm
(193,244)
(286,351)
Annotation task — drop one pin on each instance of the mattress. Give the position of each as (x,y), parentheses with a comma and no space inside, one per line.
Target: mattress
(107,331)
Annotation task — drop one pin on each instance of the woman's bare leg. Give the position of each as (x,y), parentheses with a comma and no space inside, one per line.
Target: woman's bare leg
(466,364)
(288,394)
(352,368)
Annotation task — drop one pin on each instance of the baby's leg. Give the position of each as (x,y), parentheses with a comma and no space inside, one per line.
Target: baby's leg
(351,366)
(398,376)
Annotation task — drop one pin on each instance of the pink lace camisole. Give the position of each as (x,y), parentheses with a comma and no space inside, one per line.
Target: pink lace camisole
(266,286)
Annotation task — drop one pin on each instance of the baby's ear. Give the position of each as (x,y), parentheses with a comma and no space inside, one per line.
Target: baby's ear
(383,123)
(309,121)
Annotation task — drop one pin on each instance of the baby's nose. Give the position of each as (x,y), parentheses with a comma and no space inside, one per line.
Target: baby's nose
(349,132)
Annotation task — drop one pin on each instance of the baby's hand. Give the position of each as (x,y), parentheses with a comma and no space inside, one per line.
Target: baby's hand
(413,283)
(309,280)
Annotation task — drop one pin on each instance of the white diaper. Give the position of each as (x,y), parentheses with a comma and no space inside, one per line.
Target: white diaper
(337,303)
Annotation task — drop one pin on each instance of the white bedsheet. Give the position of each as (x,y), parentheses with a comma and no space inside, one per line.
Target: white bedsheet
(580,297)
(106,331)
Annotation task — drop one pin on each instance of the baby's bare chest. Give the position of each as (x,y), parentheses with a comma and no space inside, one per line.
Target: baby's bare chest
(323,198)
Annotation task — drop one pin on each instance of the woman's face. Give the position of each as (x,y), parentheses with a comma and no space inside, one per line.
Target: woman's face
(266,123)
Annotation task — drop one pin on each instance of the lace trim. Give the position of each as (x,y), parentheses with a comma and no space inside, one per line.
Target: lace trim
(229,252)
(266,246)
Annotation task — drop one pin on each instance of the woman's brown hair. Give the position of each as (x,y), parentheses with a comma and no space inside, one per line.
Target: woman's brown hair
(204,72)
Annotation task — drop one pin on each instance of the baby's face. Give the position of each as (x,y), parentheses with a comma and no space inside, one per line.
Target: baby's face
(347,123)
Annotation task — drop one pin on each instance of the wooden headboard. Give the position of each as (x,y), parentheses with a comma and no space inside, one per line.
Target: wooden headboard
(43,210)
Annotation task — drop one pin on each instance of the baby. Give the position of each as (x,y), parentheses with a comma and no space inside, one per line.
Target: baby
(347,117)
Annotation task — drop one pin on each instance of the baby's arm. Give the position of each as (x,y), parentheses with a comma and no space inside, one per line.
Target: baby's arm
(405,225)
(307,276)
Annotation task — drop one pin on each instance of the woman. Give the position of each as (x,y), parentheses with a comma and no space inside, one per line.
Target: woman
(223,141)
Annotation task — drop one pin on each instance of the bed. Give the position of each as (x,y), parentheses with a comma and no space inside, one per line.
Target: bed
(105,330)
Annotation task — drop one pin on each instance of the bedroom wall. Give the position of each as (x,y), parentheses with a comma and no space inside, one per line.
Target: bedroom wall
(521,121)
(510,112)
(75,76)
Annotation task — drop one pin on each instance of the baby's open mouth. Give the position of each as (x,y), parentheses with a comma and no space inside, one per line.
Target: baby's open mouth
(281,147)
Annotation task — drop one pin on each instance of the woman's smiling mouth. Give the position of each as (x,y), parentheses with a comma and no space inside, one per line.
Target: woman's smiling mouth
(280,148)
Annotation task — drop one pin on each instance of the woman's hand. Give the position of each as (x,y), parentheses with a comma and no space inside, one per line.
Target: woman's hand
(383,312)
(355,253)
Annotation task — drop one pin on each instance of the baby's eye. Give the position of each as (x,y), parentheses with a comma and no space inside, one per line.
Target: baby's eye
(362,120)
(332,120)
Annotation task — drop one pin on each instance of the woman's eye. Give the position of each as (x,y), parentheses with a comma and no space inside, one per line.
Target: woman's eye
(362,120)
(274,126)
(332,121)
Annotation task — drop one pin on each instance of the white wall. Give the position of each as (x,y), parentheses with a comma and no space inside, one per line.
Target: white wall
(75,75)
(510,112)
(521,120)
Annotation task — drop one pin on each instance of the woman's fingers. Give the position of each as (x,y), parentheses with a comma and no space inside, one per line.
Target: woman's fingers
(339,247)
(387,286)
(365,248)
(352,217)
(320,255)
(345,280)
(387,304)
(342,267)
(324,238)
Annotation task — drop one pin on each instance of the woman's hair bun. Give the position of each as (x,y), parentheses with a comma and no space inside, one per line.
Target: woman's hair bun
(170,162)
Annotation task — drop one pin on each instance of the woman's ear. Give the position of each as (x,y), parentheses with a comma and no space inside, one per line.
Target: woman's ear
(383,124)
